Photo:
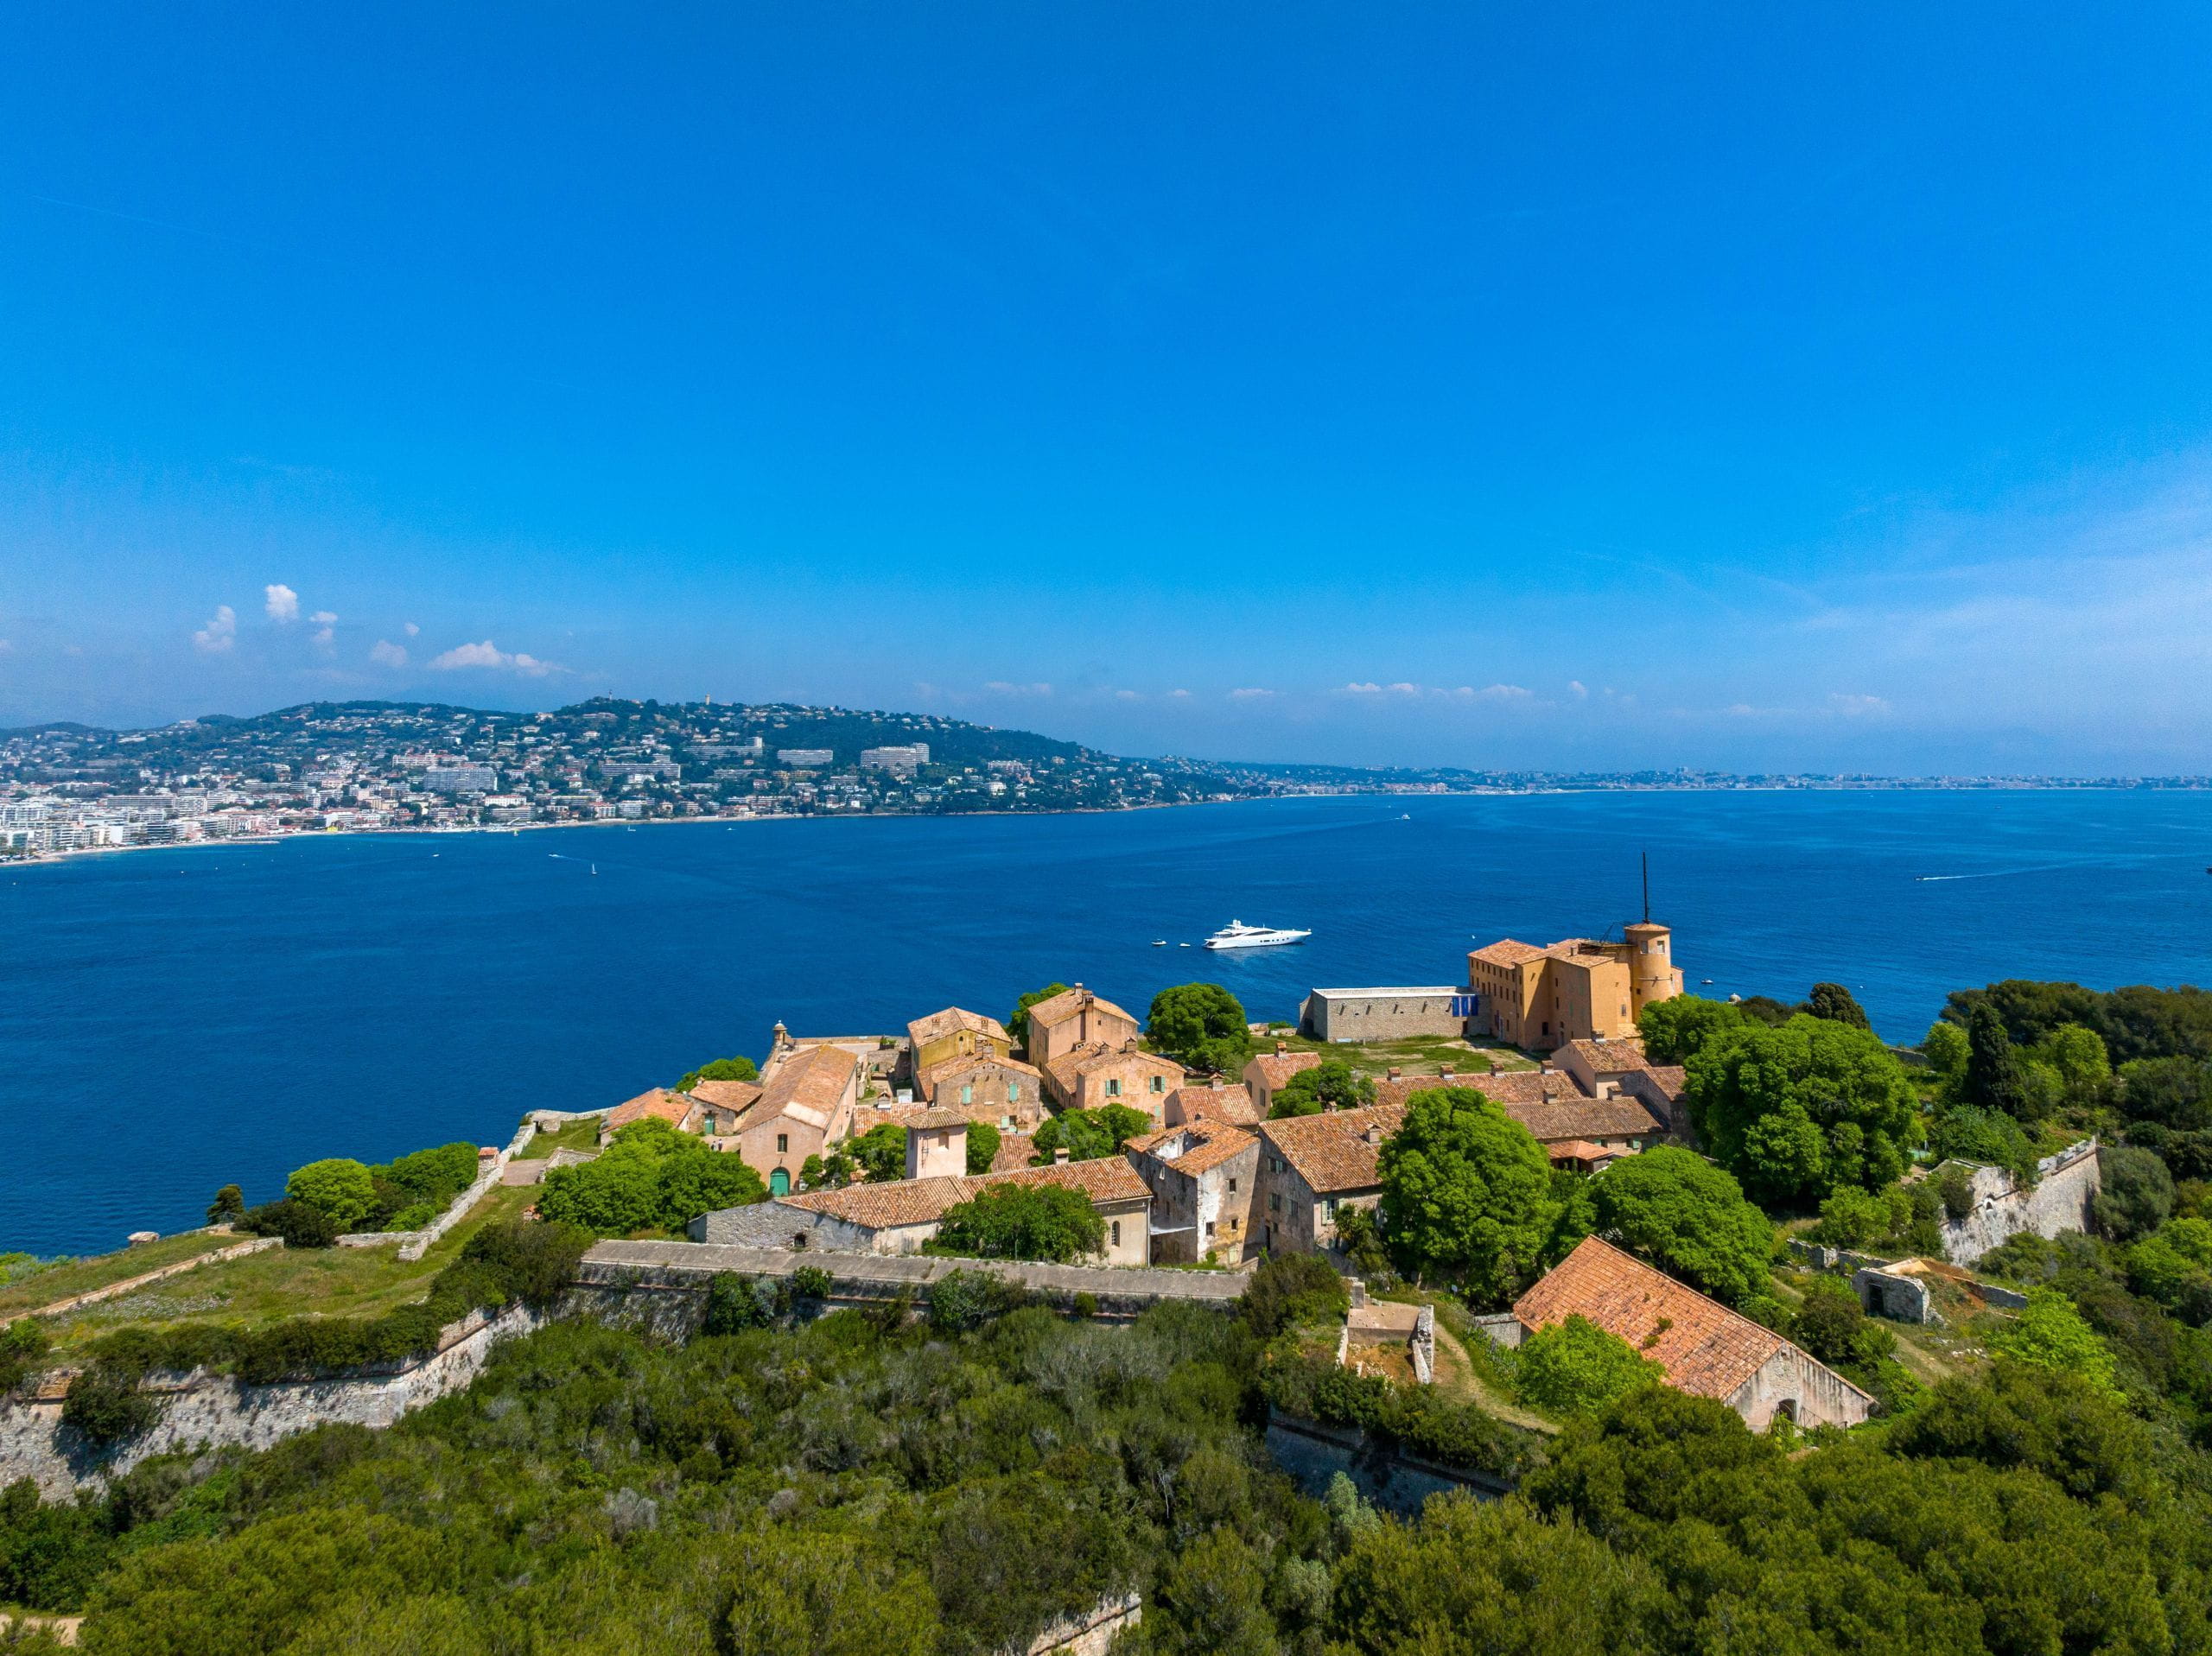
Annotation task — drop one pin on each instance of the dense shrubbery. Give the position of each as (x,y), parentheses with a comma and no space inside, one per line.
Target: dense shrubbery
(1202,1026)
(1331,1084)
(1576,1368)
(651,1178)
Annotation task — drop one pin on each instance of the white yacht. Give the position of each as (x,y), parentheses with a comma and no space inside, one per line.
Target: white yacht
(1238,934)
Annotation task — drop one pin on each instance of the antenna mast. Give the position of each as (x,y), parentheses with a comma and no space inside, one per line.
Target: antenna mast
(1646,857)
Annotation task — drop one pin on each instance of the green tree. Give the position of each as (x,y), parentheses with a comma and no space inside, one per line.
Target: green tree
(1087,1135)
(650,1177)
(1332,1084)
(1993,1078)
(1833,1326)
(1989,1137)
(2137,1193)
(339,1189)
(2050,1334)
(1945,1047)
(1467,1194)
(105,1404)
(1677,1027)
(1200,1026)
(983,1142)
(1023,1222)
(1214,1599)
(1017,1021)
(2028,1010)
(737,1068)
(229,1204)
(1836,1004)
(881,1153)
(1673,1209)
(2077,1055)
(1577,1367)
(1794,1111)
(1292,1291)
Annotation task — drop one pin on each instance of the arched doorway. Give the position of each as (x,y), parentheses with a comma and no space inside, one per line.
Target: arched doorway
(779,1183)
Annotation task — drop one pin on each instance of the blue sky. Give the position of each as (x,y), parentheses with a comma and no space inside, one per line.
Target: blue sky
(1758,387)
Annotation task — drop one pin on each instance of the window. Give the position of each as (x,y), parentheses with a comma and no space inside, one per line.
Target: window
(1014,1092)
(1117,1232)
(1275,1204)
(1209,1230)
(1005,1124)
(1113,1089)
(782,1144)
(1329,1209)
(1159,1084)
(1232,1186)
(967,1093)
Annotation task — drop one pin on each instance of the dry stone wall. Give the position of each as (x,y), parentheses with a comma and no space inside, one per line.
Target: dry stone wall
(2059,1200)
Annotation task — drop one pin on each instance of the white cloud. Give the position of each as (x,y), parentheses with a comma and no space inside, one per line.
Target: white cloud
(1000,687)
(384,653)
(489,655)
(1363,689)
(412,629)
(1858,706)
(219,634)
(1128,695)
(1249,695)
(1179,695)
(1577,689)
(1504,693)
(324,623)
(282,602)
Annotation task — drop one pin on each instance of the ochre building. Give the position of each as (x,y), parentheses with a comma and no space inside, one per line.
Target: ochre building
(1579,990)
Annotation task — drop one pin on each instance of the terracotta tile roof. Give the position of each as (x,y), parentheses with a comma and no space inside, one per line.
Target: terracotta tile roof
(1088,1056)
(1015,1149)
(1611,1057)
(806,1086)
(1232,1103)
(1197,1148)
(660,1103)
(1525,1088)
(1575,1150)
(1275,1068)
(951,1021)
(1576,1117)
(1397,1089)
(1704,1347)
(897,1202)
(935,1118)
(1066,1004)
(727,1094)
(1671,1078)
(1507,951)
(1330,1151)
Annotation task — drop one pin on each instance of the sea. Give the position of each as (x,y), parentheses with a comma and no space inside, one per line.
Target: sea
(175,1020)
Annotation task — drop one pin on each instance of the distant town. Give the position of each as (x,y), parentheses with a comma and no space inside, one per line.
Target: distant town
(385,766)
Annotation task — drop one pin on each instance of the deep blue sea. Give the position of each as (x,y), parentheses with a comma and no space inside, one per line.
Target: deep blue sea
(171,1021)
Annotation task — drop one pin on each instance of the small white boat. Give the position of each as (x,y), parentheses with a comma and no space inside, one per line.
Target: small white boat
(1160,942)
(1238,934)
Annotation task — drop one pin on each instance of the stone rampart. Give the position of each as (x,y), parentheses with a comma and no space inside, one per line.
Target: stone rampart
(203,1411)
(94,1296)
(2066,1184)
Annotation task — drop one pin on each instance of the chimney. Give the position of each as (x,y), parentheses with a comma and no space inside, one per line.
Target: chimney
(1394,1072)
(1060,1157)
(1374,1133)
(1282,1050)
(1445,1070)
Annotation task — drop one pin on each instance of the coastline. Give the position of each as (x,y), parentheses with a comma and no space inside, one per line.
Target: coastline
(1898,785)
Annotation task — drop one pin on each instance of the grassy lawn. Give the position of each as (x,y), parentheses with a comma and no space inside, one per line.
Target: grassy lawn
(80,1276)
(1416,1055)
(577,1135)
(268,1287)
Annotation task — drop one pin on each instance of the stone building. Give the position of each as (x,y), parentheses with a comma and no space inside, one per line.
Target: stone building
(659,1104)
(936,1144)
(1088,1076)
(1706,1349)
(1005,1092)
(1076,1017)
(1337,1015)
(954,1033)
(1266,1073)
(899,1216)
(1579,989)
(807,1097)
(1203,1180)
(1312,1166)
